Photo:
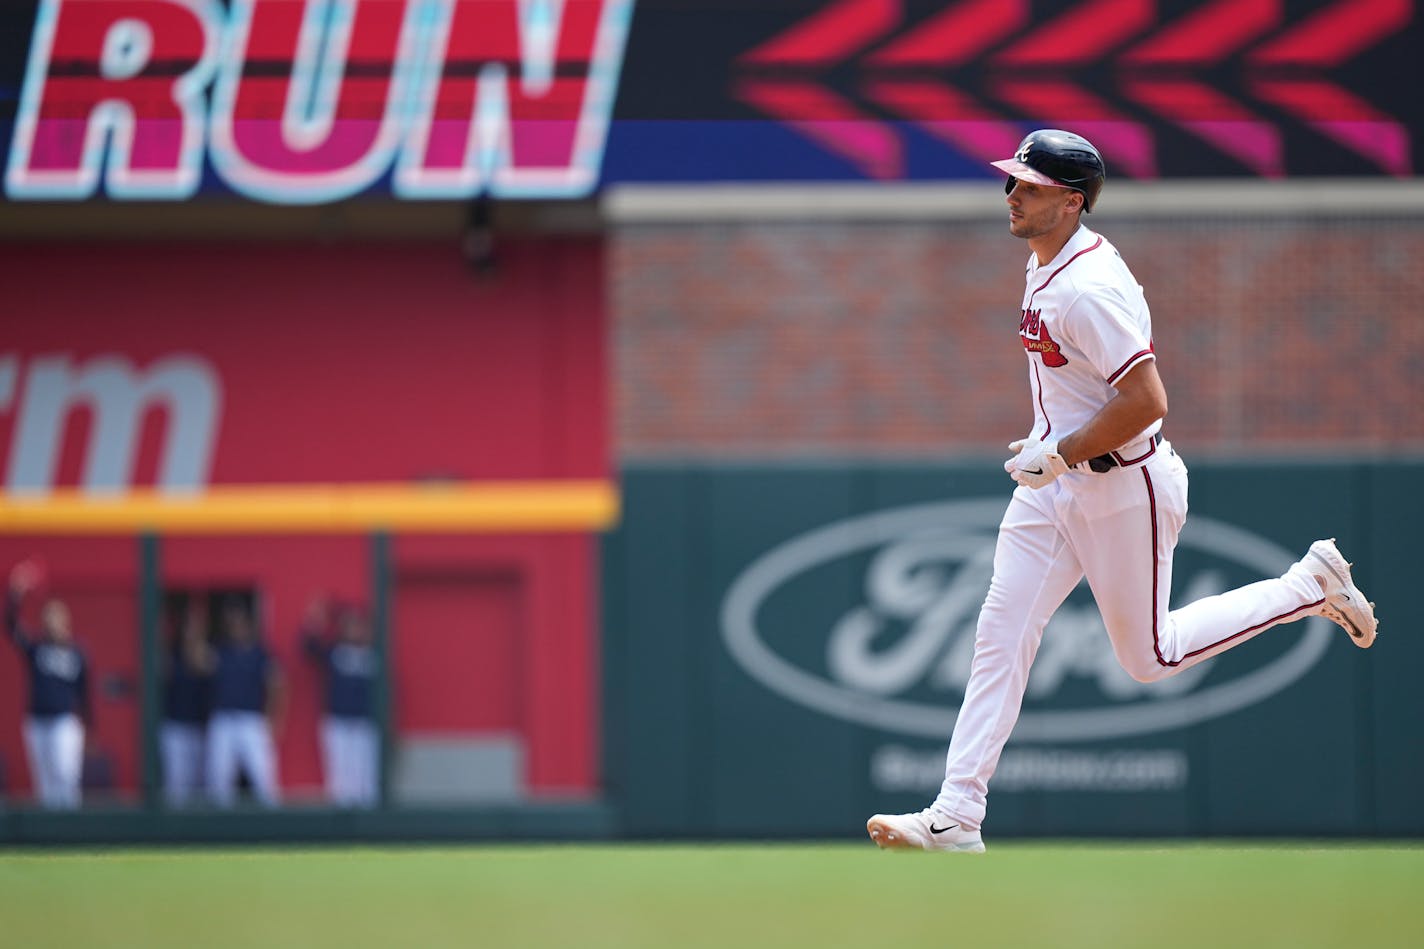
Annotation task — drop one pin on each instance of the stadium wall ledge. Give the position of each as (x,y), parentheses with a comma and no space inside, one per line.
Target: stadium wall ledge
(562,821)
(975,200)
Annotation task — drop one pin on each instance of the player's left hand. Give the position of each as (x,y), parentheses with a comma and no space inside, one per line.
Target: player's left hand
(1035,463)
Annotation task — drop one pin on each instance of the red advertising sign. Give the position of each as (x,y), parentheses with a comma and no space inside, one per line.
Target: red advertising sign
(180,366)
(305,101)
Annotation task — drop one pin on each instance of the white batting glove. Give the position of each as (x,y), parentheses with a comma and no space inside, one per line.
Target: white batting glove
(1035,463)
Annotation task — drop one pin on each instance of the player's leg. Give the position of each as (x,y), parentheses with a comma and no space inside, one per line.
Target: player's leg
(199,761)
(222,759)
(67,748)
(194,758)
(170,750)
(259,758)
(357,757)
(37,751)
(1125,528)
(355,763)
(365,755)
(182,749)
(1034,571)
(331,758)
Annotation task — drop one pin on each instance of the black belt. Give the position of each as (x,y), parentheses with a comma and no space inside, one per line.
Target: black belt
(1107,462)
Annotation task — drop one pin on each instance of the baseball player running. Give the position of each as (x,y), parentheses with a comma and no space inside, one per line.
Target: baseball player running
(1100,494)
(59,694)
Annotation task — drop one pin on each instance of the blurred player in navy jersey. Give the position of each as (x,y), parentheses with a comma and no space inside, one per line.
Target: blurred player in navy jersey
(349,743)
(187,699)
(249,698)
(59,693)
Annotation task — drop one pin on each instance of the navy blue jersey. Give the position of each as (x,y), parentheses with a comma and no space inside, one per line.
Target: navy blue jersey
(59,675)
(187,693)
(350,670)
(240,679)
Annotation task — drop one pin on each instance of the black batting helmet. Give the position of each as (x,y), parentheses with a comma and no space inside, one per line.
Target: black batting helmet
(1058,158)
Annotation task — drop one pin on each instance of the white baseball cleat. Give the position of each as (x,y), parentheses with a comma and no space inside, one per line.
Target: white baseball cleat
(925,830)
(1344,605)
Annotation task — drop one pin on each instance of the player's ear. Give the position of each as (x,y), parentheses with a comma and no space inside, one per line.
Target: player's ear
(1075,201)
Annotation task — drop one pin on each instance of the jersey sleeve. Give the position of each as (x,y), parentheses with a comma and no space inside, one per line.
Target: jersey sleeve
(1105,327)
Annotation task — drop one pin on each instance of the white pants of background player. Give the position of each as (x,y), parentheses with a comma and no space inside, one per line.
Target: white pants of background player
(181,745)
(1119,529)
(241,738)
(55,746)
(349,758)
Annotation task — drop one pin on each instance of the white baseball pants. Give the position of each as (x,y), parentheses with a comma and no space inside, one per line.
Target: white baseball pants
(241,738)
(349,748)
(1119,529)
(181,746)
(55,747)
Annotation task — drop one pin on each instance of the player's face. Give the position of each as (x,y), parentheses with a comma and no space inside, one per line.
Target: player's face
(355,630)
(239,626)
(1037,210)
(55,617)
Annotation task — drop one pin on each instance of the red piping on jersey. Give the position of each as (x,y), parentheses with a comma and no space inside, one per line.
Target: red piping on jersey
(1156,643)
(1128,462)
(1096,244)
(1040,401)
(1156,568)
(1132,361)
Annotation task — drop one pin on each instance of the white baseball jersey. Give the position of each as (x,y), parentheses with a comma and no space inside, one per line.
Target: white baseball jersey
(1084,325)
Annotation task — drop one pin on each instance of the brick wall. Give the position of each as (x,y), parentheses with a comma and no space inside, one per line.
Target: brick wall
(776,340)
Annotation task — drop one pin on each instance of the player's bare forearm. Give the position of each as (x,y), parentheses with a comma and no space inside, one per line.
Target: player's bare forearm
(12,619)
(1141,400)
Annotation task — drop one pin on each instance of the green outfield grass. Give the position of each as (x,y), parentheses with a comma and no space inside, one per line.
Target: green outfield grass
(1020,894)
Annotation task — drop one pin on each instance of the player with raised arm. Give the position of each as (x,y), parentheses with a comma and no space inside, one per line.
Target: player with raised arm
(350,743)
(1100,494)
(249,702)
(59,693)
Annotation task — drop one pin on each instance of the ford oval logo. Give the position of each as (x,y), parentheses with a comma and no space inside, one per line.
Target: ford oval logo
(928,570)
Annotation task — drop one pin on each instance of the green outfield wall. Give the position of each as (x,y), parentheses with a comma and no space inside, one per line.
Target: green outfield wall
(786,646)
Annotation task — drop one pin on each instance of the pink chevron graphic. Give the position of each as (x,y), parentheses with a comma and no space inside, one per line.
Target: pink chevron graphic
(826,38)
(1083,34)
(833,123)
(1221,121)
(955,36)
(1207,35)
(1343,118)
(1336,34)
(948,114)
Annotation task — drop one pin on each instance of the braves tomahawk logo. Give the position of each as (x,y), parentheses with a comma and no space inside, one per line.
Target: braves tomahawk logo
(1036,339)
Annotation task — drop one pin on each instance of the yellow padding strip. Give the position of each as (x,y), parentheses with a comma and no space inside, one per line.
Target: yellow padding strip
(450,507)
